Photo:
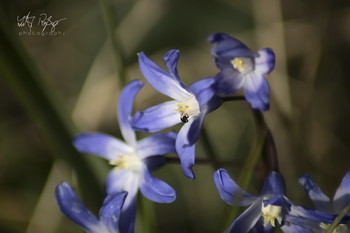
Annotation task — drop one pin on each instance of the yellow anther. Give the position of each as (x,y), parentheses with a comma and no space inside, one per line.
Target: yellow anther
(272,215)
(181,107)
(127,162)
(187,108)
(243,65)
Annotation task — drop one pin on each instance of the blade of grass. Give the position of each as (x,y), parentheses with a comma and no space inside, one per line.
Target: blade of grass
(21,75)
(110,24)
(337,220)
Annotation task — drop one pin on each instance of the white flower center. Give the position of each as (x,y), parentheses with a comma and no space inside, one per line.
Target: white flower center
(187,108)
(243,65)
(341,228)
(128,162)
(272,214)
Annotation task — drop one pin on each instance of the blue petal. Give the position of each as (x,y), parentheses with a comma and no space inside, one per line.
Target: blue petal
(111,209)
(72,207)
(157,190)
(342,196)
(170,59)
(257,92)
(228,47)
(274,184)
(155,162)
(100,144)
(186,151)
(292,228)
(278,200)
(247,219)
(157,118)
(228,82)
(123,180)
(161,80)
(265,62)
(195,128)
(125,102)
(203,90)
(310,215)
(304,224)
(229,191)
(157,144)
(315,194)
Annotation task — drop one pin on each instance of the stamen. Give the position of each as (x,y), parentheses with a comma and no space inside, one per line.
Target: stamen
(272,214)
(187,108)
(127,162)
(243,65)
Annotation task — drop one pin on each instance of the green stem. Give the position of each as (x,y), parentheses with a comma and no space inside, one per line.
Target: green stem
(147,214)
(337,220)
(110,24)
(269,146)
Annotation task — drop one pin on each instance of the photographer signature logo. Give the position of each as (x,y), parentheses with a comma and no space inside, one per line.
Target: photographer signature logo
(44,25)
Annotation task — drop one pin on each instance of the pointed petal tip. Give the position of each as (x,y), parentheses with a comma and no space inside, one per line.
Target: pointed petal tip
(157,190)
(188,172)
(217,37)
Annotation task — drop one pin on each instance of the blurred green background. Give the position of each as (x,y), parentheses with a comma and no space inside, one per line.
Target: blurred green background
(53,86)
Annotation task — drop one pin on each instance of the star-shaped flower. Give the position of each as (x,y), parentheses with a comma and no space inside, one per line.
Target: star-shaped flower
(189,106)
(132,159)
(323,203)
(75,210)
(268,210)
(240,68)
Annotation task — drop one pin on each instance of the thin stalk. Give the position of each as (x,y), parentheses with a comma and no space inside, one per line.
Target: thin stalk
(147,214)
(264,143)
(269,146)
(110,24)
(199,161)
(232,98)
(247,173)
(337,220)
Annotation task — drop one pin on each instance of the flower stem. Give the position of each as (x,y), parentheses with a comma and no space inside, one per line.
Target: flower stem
(232,98)
(147,215)
(269,144)
(337,220)
(218,163)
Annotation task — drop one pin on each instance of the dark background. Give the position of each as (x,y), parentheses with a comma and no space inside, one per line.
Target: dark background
(309,113)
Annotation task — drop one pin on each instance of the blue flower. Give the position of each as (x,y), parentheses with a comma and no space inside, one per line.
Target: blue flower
(323,203)
(240,68)
(131,158)
(268,210)
(189,105)
(75,210)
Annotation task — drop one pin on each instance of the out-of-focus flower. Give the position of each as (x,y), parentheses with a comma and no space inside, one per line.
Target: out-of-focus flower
(75,210)
(268,210)
(323,203)
(240,68)
(131,159)
(189,106)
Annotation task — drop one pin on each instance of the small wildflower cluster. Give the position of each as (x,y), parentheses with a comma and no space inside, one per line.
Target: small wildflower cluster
(239,69)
